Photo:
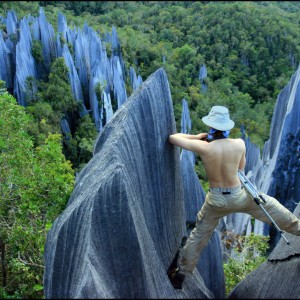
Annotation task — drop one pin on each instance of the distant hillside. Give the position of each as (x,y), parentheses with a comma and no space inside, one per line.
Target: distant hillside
(250,49)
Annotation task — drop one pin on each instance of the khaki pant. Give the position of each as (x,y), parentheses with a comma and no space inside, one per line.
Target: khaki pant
(217,205)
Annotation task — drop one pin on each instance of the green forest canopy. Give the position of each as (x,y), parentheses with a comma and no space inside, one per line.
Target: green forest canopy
(250,49)
(36,183)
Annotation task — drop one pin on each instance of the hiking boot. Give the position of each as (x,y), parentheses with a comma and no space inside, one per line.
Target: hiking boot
(176,278)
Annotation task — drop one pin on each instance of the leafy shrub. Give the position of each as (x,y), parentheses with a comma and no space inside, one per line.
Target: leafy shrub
(249,253)
(36,183)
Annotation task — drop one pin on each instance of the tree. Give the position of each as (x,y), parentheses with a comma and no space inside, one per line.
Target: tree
(85,136)
(45,121)
(35,184)
(58,92)
(37,51)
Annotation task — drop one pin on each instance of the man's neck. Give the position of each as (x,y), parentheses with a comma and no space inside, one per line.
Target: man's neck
(217,136)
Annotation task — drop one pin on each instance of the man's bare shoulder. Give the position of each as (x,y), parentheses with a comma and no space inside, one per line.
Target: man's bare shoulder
(239,142)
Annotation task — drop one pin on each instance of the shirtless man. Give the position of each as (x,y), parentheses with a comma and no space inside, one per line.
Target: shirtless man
(222,157)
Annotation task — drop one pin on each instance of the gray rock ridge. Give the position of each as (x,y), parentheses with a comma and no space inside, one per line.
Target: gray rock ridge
(202,77)
(277,173)
(125,218)
(282,251)
(278,277)
(284,126)
(135,80)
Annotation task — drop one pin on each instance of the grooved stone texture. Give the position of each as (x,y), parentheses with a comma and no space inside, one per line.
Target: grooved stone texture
(126,216)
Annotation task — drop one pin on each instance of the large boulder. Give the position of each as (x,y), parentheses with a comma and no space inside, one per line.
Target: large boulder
(125,218)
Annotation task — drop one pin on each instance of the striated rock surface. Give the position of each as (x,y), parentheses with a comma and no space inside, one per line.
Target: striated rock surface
(253,164)
(5,70)
(135,80)
(73,76)
(85,56)
(278,277)
(202,77)
(125,219)
(281,167)
(278,172)
(47,39)
(186,123)
(25,63)
(11,23)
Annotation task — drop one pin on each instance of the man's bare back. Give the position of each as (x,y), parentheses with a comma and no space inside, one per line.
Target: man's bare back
(221,158)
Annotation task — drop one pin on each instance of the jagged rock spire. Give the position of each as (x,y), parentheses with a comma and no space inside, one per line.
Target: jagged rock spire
(125,219)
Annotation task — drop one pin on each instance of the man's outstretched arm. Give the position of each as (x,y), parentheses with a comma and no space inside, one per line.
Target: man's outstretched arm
(188,141)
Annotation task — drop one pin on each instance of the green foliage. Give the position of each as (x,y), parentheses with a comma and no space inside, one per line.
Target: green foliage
(85,136)
(31,89)
(58,95)
(256,118)
(250,252)
(99,88)
(22,8)
(2,87)
(58,92)
(45,121)
(35,186)
(37,51)
(48,102)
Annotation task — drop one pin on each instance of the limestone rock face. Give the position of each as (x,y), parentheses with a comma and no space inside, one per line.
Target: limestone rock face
(25,65)
(278,277)
(279,176)
(126,216)
(278,172)
(135,80)
(5,70)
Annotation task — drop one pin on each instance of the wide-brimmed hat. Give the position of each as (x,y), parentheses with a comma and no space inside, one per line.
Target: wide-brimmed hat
(218,118)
